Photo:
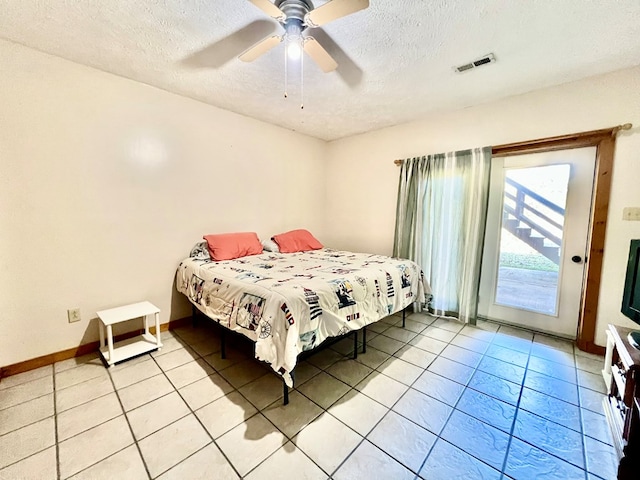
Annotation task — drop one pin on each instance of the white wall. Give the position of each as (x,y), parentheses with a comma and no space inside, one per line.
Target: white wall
(106,184)
(362,179)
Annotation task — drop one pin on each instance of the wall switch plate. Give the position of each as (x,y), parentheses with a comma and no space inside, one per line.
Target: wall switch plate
(631,213)
(73,314)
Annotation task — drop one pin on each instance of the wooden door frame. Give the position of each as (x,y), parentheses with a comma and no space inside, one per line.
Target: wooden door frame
(605,141)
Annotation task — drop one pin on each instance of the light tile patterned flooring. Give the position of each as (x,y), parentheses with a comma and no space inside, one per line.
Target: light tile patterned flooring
(435,400)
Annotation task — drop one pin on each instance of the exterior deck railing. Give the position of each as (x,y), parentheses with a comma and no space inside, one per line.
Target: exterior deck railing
(539,221)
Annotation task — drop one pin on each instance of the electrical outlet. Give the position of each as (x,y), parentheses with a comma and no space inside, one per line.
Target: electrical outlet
(73,314)
(631,213)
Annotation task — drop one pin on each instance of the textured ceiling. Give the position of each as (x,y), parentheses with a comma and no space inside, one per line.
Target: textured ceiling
(395,58)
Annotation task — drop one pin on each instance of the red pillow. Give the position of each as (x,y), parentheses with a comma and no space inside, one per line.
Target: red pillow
(296,241)
(228,246)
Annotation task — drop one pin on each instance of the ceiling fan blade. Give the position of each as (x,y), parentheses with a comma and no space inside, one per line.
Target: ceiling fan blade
(270,9)
(260,48)
(319,55)
(333,10)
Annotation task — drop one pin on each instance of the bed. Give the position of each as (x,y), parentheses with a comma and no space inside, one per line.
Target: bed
(289,303)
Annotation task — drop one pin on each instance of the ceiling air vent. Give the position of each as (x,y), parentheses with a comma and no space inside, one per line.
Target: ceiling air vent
(490,58)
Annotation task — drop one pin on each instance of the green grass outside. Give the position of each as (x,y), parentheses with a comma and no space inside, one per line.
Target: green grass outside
(527,261)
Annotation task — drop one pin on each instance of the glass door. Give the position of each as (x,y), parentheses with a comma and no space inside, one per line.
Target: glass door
(535,241)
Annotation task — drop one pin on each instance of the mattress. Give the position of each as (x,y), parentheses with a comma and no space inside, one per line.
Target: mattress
(290,303)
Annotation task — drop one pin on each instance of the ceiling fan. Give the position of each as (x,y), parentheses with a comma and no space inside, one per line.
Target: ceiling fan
(296,16)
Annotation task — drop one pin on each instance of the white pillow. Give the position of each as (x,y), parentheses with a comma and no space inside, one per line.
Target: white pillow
(270,246)
(200,251)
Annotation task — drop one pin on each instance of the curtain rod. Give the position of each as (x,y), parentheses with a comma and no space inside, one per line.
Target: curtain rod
(613,131)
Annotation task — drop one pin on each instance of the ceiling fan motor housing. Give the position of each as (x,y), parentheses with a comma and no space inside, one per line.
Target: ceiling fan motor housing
(295,10)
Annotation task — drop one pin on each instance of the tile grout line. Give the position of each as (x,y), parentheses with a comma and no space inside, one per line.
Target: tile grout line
(583,440)
(30,423)
(518,409)
(192,412)
(324,410)
(453,409)
(75,385)
(258,412)
(417,474)
(517,406)
(289,440)
(364,437)
(20,403)
(511,435)
(390,409)
(515,417)
(55,421)
(581,432)
(84,469)
(126,418)
(41,377)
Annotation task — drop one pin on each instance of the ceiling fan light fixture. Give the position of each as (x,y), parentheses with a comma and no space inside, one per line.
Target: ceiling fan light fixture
(293,40)
(294,48)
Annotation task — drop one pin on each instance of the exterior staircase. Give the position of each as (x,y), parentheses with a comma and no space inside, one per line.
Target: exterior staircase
(533,219)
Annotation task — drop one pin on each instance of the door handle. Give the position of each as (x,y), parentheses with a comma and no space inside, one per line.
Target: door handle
(576,259)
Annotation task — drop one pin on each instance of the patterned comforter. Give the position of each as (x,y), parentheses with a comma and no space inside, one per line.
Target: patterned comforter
(289,303)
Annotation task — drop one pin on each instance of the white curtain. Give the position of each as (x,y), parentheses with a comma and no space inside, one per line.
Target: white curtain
(440,223)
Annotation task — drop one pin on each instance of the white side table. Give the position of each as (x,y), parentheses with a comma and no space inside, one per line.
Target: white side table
(125,349)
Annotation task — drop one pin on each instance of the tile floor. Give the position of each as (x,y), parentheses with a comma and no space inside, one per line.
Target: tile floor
(435,400)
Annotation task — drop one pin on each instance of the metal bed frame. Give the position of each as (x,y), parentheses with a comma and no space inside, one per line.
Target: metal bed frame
(285,388)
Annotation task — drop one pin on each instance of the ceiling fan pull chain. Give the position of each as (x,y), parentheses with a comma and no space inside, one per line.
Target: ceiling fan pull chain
(302,82)
(286,72)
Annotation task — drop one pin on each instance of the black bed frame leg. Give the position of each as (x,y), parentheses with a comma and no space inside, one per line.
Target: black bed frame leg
(223,343)
(286,392)
(194,316)
(403,317)
(364,339)
(355,344)
(285,389)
